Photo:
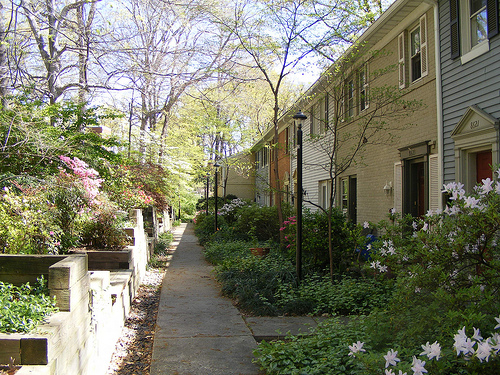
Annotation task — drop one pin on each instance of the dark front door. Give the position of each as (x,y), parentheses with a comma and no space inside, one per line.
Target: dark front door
(415,202)
(483,166)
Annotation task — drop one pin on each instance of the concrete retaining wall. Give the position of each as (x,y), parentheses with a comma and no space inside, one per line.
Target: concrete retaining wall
(94,304)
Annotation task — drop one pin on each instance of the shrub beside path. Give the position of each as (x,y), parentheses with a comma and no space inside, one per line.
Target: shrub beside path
(198,330)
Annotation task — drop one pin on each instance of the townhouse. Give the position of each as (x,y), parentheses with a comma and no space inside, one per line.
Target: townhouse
(470,76)
(371,139)
(373,157)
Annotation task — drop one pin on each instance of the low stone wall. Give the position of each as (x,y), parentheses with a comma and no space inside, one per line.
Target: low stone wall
(94,304)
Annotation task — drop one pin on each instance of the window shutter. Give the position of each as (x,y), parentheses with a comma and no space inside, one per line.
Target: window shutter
(492,11)
(423,46)
(401,60)
(455,28)
(434,188)
(398,187)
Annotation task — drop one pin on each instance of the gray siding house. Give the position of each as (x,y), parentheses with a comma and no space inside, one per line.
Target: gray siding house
(470,75)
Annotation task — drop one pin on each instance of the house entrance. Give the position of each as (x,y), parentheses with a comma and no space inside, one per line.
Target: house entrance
(415,202)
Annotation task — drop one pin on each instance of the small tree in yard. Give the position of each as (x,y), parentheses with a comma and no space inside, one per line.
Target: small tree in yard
(343,137)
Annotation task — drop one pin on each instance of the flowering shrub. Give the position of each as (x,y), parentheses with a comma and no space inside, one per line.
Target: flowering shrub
(230,210)
(469,350)
(446,268)
(27,224)
(103,229)
(87,176)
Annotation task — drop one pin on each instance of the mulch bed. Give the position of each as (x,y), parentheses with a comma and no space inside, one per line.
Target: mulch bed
(134,349)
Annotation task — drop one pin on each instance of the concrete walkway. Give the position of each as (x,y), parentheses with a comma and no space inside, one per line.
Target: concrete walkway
(198,330)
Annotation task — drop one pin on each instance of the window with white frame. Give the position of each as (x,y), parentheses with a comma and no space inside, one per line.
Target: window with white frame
(415,54)
(319,116)
(417,65)
(363,87)
(472,24)
(349,103)
(324,189)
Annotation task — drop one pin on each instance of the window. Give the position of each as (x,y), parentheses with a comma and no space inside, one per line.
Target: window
(418,59)
(363,87)
(349,111)
(472,24)
(348,197)
(287,140)
(478,22)
(319,116)
(416,71)
(324,189)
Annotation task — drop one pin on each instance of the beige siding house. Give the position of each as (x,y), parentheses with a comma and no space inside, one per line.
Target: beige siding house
(372,128)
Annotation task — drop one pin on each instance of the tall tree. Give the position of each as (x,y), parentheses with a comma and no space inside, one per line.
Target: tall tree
(342,137)
(277,36)
(164,48)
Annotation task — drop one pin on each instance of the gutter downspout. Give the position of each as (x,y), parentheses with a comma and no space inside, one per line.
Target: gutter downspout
(439,99)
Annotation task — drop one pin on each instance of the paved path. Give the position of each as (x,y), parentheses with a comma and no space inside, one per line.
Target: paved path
(198,331)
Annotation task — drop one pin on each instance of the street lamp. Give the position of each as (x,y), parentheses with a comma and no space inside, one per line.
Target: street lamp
(216,165)
(298,253)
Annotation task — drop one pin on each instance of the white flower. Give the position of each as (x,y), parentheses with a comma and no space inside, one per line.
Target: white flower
(496,339)
(366,224)
(391,250)
(356,347)
(418,366)
(391,358)
(483,350)
(477,334)
(393,211)
(382,268)
(432,350)
(414,225)
(487,186)
(498,321)
(429,213)
(375,264)
(472,202)
(389,372)
(425,227)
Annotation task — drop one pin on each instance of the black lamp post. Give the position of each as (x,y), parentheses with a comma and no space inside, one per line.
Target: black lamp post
(206,195)
(216,185)
(298,245)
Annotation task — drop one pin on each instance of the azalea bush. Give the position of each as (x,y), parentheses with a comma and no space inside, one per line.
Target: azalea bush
(446,270)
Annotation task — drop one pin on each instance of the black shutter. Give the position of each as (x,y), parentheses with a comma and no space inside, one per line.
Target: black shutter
(455,28)
(492,11)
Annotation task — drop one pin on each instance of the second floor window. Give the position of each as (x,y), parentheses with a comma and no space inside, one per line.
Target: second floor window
(478,21)
(416,71)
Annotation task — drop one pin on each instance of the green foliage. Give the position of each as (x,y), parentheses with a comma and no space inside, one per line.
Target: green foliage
(255,222)
(315,245)
(36,134)
(325,352)
(344,297)
(165,239)
(27,224)
(140,185)
(103,229)
(268,286)
(24,308)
